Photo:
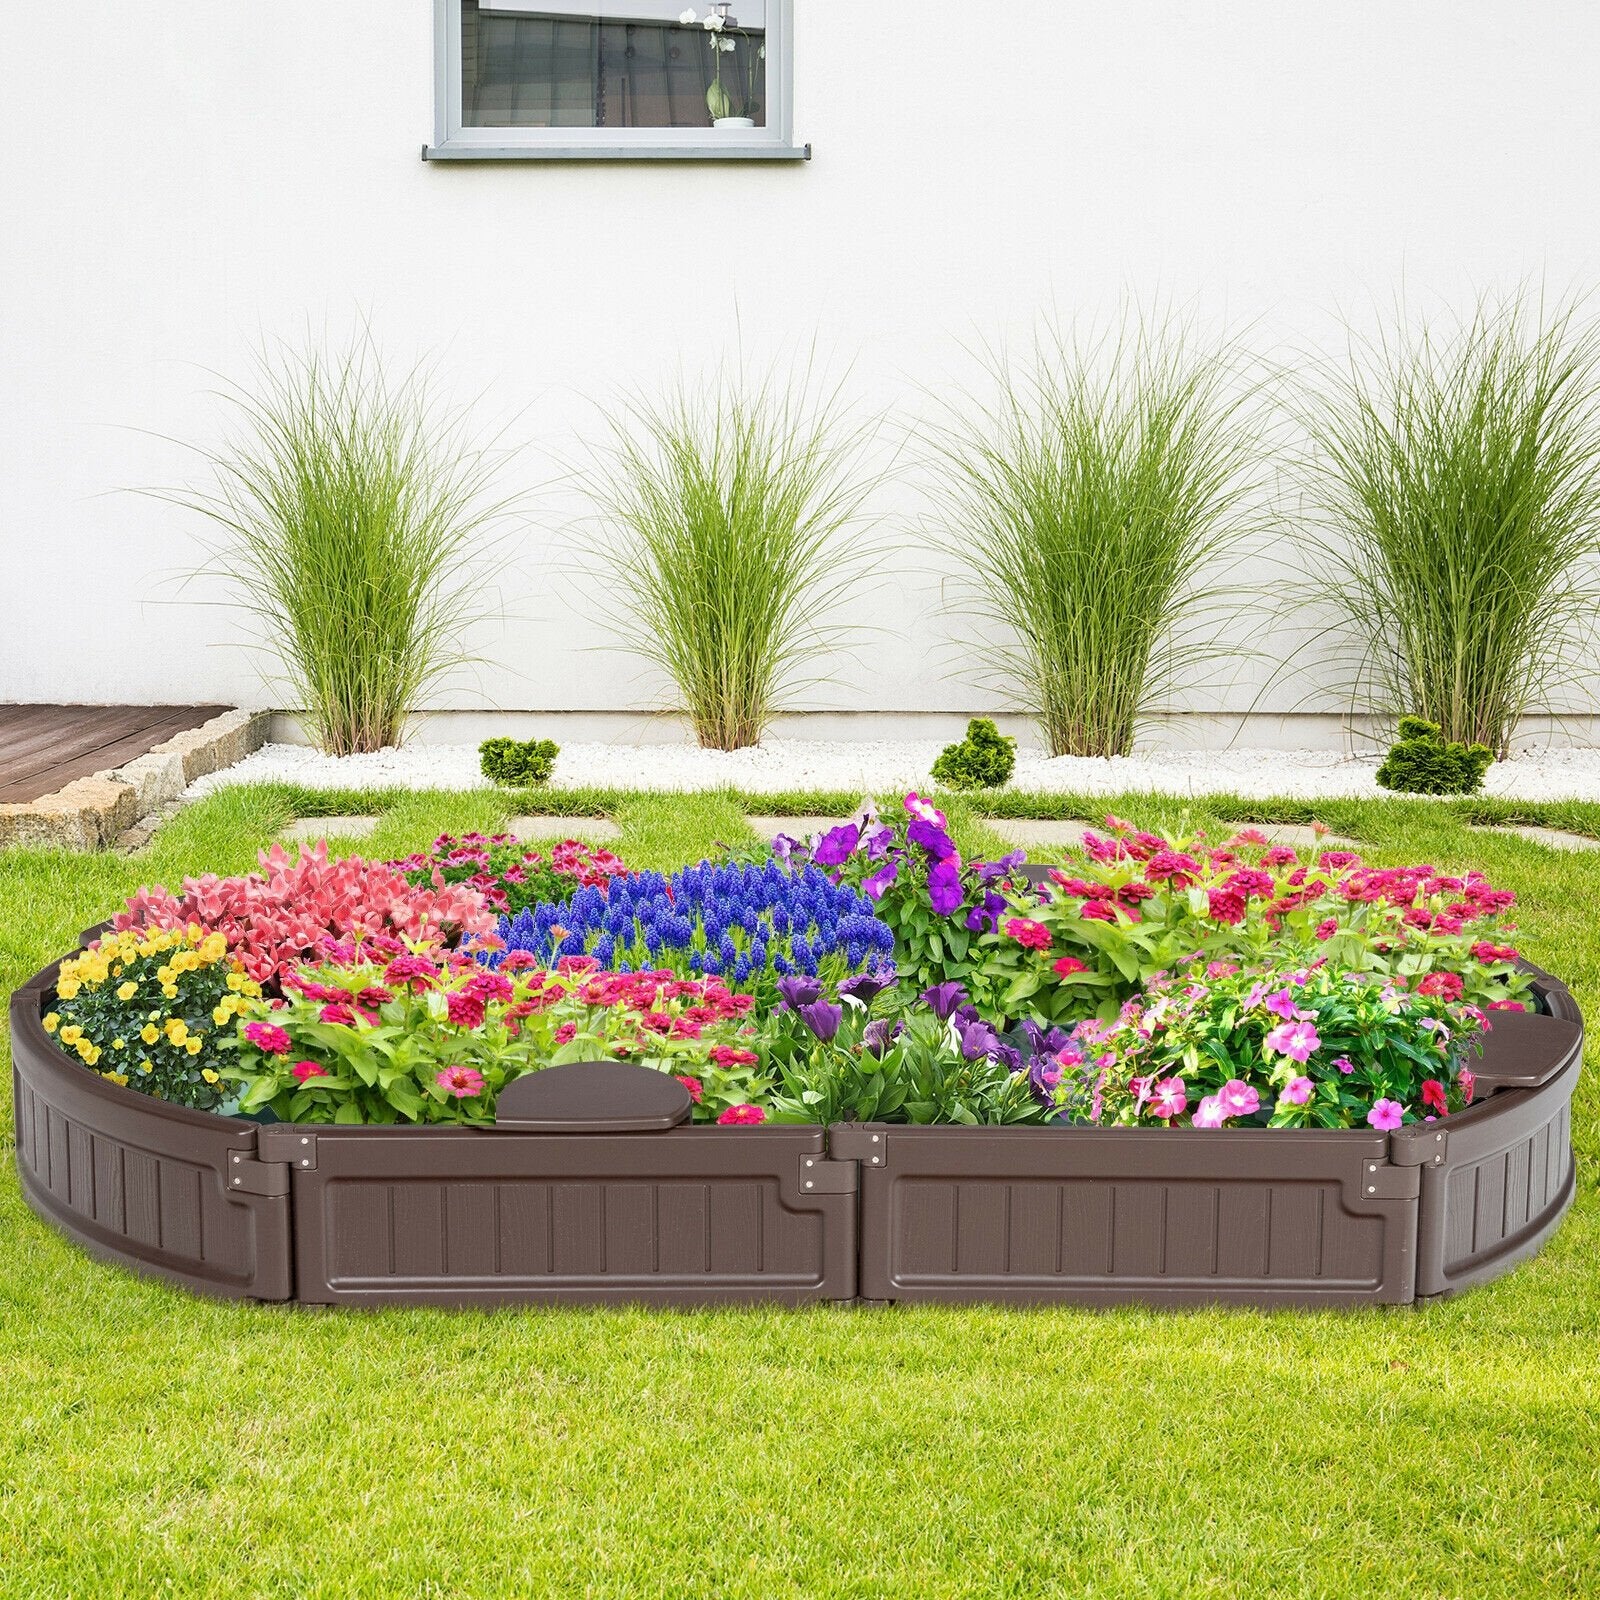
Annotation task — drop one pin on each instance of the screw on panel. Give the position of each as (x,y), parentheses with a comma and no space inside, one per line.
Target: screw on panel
(810,1184)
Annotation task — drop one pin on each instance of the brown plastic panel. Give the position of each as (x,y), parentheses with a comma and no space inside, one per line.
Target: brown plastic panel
(593,1097)
(158,1187)
(1506,1175)
(1097,1216)
(460,1216)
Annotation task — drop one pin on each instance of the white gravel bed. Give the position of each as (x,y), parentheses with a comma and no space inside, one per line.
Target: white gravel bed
(881,768)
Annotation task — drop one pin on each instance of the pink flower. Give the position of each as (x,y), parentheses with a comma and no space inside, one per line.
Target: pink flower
(1168,1098)
(1507,1005)
(1280,855)
(413,971)
(1209,1113)
(1097,911)
(1282,1004)
(1028,933)
(1296,1040)
(1344,1064)
(742,1117)
(302,1070)
(566,1033)
(695,1087)
(268,1037)
(1386,1114)
(1226,906)
(1297,1092)
(1444,985)
(490,986)
(464,1009)
(462,1082)
(726,1055)
(1238,1099)
(1433,1096)
(1468,1080)
(1327,928)
(340,1016)
(1069,967)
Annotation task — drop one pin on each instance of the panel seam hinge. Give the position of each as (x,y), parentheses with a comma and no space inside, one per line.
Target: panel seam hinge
(247,1175)
(293,1146)
(1426,1146)
(1383,1180)
(819,1175)
(869,1146)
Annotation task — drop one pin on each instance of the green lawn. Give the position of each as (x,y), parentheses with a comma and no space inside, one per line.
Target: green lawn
(158,1444)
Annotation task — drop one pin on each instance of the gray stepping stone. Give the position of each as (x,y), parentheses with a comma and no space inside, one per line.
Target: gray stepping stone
(1550,838)
(592,830)
(1297,835)
(1028,833)
(307,830)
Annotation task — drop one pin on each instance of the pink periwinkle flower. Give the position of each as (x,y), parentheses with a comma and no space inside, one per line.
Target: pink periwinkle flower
(1386,1115)
(1344,1064)
(1296,1040)
(1209,1113)
(1298,1092)
(1238,1099)
(1168,1098)
(462,1082)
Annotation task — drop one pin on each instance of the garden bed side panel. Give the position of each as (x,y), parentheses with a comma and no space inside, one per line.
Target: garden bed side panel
(1507,1176)
(469,1217)
(1096,1216)
(166,1190)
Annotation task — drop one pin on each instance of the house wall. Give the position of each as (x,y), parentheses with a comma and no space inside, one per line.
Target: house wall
(185,181)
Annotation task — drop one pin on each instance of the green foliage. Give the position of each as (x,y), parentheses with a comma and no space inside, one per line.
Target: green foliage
(985,759)
(518,763)
(726,512)
(352,509)
(1460,476)
(1423,762)
(1087,508)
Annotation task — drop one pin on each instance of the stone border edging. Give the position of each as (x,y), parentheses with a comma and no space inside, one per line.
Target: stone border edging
(91,813)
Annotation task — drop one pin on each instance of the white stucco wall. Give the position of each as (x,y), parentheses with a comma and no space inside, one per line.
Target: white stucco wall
(183,180)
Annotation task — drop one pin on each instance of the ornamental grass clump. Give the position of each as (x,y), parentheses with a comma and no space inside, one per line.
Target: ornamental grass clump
(353,509)
(749,925)
(1459,473)
(727,517)
(1085,510)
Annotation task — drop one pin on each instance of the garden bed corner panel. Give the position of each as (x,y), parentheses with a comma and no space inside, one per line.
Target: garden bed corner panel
(150,1185)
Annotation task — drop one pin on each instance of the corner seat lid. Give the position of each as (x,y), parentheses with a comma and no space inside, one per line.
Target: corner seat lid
(593,1097)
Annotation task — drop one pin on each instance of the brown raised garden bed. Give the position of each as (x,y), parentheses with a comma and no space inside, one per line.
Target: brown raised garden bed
(590,1194)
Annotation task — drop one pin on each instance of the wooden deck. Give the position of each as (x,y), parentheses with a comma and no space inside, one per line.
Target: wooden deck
(44,748)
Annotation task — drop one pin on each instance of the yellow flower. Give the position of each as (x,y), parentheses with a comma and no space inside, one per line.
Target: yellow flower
(127,991)
(208,1075)
(213,948)
(221,1015)
(236,981)
(119,1044)
(68,988)
(144,1067)
(119,1078)
(165,974)
(177,1030)
(253,989)
(149,1033)
(71,1035)
(89,1050)
(193,1044)
(170,990)
(52,1022)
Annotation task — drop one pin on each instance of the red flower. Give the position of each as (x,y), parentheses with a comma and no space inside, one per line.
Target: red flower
(1097,911)
(1069,966)
(1443,985)
(742,1117)
(1327,928)
(268,1038)
(695,1087)
(465,1009)
(1433,1096)
(1028,933)
(339,1016)
(1226,905)
(566,1032)
(725,1055)
(302,1070)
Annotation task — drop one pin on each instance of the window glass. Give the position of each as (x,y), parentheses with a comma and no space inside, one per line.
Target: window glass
(611,64)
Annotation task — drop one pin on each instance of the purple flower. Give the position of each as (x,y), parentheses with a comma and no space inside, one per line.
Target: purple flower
(943,999)
(867,986)
(878,843)
(977,1039)
(836,846)
(994,871)
(822,1018)
(1386,1114)
(985,918)
(944,887)
(877,1037)
(783,847)
(880,880)
(932,838)
(798,990)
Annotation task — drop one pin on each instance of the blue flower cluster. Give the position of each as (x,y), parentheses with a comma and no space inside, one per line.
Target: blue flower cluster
(739,923)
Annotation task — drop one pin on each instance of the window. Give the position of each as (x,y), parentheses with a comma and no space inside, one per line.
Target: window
(625,79)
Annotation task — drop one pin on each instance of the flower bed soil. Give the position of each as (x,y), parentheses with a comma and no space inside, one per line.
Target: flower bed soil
(672,1214)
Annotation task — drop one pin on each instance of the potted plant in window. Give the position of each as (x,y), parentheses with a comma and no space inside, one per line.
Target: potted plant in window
(720,25)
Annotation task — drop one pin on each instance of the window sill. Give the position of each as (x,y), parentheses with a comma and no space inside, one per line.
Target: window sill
(617,152)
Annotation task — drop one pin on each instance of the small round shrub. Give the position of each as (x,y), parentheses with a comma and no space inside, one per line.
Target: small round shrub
(1424,762)
(518,763)
(985,759)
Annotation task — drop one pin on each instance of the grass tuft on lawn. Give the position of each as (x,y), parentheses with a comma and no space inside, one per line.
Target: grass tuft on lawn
(157,1443)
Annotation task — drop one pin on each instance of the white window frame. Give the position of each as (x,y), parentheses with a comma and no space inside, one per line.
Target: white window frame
(455,142)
